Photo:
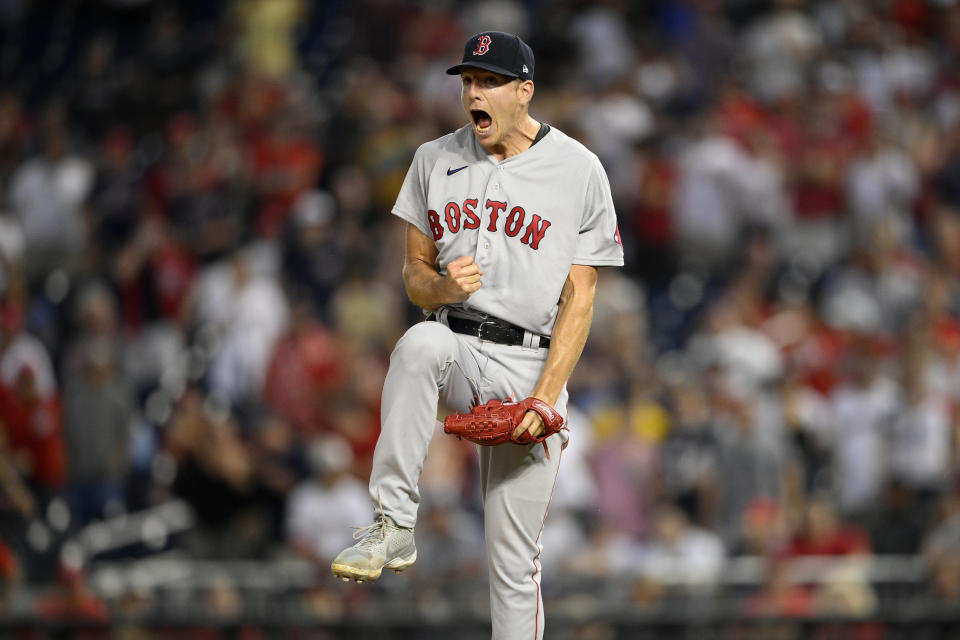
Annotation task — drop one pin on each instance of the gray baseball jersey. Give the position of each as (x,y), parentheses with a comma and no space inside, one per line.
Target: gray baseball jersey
(525,220)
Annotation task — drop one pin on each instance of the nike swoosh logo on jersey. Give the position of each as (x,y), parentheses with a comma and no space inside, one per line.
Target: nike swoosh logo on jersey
(450,172)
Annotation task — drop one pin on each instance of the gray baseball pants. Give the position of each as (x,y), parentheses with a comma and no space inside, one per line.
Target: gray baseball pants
(432,363)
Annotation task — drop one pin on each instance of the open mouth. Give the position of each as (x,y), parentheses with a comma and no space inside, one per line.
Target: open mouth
(481,120)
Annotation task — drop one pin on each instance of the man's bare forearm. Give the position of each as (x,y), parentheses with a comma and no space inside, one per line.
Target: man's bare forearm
(569,336)
(424,285)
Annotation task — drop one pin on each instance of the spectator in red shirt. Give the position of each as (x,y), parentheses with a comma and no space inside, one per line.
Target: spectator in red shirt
(31,426)
(823,534)
(30,408)
(306,372)
(72,599)
(780,597)
(284,163)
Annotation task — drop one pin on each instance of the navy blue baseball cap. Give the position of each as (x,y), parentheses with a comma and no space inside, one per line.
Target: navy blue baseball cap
(502,53)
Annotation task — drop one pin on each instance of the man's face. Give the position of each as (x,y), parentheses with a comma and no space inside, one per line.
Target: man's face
(493,102)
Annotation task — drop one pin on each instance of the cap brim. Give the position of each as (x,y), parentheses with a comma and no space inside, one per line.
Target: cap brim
(456,69)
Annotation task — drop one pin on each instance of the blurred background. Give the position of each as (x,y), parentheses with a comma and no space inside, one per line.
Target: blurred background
(200,287)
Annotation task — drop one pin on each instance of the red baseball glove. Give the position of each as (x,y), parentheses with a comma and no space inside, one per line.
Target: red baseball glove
(494,421)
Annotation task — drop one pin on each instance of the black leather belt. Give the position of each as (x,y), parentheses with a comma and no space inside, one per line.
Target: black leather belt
(492,330)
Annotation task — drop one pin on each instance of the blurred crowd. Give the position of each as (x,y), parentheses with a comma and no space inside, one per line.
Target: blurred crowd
(200,284)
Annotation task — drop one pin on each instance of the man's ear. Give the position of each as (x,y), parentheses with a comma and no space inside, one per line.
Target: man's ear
(525,91)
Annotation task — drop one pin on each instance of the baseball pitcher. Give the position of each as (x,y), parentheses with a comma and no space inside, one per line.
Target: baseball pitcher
(508,220)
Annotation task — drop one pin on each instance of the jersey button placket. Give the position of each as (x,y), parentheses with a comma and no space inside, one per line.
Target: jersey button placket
(483,246)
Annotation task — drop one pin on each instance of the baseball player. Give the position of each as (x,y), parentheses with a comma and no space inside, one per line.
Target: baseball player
(508,220)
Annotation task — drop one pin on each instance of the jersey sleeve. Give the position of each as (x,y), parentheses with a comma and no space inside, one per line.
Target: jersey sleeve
(411,202)
(598,242)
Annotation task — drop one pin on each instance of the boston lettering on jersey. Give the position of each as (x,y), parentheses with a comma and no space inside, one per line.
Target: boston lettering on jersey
(465,216)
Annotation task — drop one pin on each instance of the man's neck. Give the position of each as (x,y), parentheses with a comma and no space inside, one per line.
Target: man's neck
(518,141)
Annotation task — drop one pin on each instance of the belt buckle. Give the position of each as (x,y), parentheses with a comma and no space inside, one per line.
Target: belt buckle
(483,323)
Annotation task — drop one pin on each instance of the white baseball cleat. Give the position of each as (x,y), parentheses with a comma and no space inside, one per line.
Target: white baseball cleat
(382,544)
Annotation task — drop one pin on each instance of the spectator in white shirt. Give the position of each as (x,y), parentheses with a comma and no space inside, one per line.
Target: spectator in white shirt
(323,508)
(47,193)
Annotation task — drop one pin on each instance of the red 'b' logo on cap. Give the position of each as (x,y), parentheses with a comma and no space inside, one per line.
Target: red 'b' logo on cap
(483,45)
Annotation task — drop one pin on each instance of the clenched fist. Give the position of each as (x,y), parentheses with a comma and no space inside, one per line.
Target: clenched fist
(462,278)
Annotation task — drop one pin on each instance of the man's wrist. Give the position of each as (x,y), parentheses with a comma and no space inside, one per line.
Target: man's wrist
(550,399)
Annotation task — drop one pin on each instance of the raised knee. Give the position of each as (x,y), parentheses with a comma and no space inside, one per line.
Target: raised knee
(425,343)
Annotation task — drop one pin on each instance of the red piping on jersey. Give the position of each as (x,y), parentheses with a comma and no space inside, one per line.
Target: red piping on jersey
(533,577)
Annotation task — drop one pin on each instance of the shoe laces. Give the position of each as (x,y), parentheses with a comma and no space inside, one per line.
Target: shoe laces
(372,534)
